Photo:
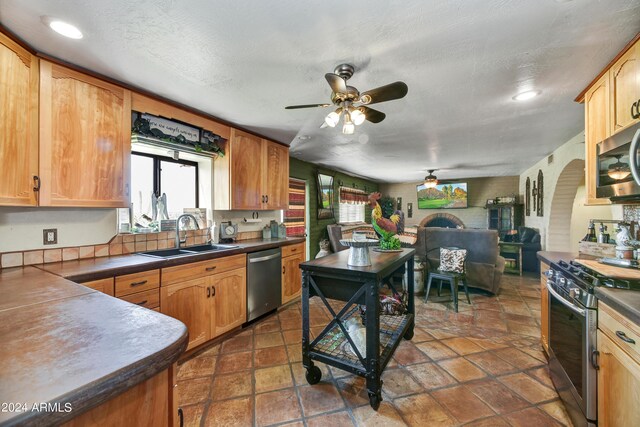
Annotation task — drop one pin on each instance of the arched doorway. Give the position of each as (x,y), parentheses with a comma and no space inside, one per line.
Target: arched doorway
(559,234)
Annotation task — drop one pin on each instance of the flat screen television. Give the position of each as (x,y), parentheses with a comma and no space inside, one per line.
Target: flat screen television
(450,195)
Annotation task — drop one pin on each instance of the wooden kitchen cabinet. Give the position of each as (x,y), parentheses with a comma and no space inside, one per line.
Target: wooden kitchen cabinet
(85,140)
(624,79)
(189,302)
(19,73)
(544,308)
(292,257)
(253,175)
(597,128)
(209,297)
(103,285)
(229,294)
(618,385)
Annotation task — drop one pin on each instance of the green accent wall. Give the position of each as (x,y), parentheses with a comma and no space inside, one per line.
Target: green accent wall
(307,171)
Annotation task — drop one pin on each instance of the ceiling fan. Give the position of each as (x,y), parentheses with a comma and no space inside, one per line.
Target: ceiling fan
(353,104)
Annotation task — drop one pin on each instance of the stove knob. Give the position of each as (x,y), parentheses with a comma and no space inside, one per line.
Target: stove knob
(574,292)
(562,281)
(549,273)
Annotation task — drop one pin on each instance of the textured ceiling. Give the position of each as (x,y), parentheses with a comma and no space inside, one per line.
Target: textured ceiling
(463,60)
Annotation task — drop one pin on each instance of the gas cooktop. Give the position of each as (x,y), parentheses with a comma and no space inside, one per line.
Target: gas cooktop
(593,279)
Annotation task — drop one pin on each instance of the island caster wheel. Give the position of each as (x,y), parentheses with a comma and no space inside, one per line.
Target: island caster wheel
(374,400)
(313,375)
(408,335)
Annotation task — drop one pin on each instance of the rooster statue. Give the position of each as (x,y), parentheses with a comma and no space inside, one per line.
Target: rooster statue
(386,228)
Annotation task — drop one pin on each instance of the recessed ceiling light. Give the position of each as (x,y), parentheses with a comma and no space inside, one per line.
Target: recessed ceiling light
(62,28)
(304,137)
(524,96)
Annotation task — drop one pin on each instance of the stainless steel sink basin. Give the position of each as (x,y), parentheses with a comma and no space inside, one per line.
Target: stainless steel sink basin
(190,250)
(209,248)
(167,253)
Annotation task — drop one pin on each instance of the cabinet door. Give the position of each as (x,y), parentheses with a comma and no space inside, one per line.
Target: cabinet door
(291,277)
(276,175)
(103,285)
(246,171)
(230,300)
(618,385)
(625,89)
(189,303)
(544,308)
(18,124)
(85,140)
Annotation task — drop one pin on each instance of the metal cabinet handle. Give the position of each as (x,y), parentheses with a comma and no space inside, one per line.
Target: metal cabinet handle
(208,292)
(36,183)
(181,416)
(283,269)
(142,302)
(142,282)
(210,268)
(636,106)
(625,338)
(594,359)
(266,198)
(213,293)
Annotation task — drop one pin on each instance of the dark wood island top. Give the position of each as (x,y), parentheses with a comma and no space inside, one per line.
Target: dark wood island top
(71,347)
(382,264)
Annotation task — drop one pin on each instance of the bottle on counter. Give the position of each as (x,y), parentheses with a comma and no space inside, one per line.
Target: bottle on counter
(603,237)
(591,234)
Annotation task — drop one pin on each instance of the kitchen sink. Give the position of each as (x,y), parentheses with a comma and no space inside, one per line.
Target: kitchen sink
(190,250)
(167,253)
(209,248)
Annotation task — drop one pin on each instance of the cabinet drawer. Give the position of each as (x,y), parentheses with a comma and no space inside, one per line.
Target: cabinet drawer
(195,270)
(148,299)
(289,250)
(137,282)
(620,330)
(102,285)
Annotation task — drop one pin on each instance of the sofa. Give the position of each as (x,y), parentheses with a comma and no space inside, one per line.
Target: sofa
(530,239)
(484,263)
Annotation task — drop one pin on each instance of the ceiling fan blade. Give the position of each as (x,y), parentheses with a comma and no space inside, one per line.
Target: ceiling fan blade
(384,93)
(294,107)
(337,83)
(374,116)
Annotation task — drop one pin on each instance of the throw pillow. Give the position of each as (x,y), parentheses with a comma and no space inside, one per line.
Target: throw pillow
(452,259)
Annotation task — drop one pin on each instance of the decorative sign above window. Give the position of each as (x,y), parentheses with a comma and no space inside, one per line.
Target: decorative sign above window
(167,133)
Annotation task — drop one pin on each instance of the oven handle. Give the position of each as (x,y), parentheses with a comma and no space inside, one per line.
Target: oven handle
(633,161)
(580,311)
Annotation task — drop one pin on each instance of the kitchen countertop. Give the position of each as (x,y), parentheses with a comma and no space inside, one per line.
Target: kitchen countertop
(626,302)
(99,268)
(63,343)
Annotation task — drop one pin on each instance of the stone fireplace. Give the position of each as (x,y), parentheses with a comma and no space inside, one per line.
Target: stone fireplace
(441,220)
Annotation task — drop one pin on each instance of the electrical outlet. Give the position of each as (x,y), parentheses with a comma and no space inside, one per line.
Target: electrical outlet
(50,236)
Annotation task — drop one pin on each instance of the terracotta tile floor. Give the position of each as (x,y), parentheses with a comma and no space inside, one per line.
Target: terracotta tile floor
(482,366)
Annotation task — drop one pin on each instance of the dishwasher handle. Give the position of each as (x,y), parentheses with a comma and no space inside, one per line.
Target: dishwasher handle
(264,258)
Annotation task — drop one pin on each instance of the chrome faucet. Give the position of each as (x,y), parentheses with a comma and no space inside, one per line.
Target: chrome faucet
(178,240)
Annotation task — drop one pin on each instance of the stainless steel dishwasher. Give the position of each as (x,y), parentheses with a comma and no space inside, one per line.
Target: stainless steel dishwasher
(264,282)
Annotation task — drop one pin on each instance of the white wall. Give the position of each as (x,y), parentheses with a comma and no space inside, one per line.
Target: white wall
(581,215)
(562,156)
(21,228)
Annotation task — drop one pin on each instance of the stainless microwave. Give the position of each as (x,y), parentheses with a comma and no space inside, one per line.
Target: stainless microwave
(618,166)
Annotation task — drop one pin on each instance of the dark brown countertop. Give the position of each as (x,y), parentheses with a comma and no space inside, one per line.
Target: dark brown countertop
(99,268)
(63,343)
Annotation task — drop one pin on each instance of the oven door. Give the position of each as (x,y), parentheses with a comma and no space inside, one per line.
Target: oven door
(571,340)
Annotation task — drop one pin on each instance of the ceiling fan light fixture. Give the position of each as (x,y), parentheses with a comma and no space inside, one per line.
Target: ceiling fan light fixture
(357,116)
(431,181)
(348,128)
(333,118)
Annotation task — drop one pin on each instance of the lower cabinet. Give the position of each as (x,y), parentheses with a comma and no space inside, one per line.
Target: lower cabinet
(211,304)
(544,308)
(619,374)
(189,302)
(618,385)
(292,257)
(103,285)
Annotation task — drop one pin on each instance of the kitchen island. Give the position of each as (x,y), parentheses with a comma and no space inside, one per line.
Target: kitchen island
(365,354)
(72,354)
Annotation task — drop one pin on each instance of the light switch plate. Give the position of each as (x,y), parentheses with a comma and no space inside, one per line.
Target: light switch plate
(50,236)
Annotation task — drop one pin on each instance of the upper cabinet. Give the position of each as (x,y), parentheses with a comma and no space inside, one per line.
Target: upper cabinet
(624,78)
(608,102)
(596,102)
(18,124)
(253,175)
(85,139)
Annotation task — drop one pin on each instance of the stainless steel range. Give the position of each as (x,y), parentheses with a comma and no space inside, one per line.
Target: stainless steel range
(573,317)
